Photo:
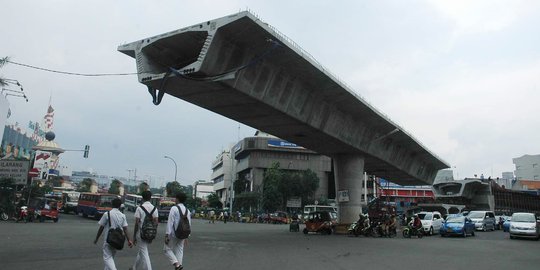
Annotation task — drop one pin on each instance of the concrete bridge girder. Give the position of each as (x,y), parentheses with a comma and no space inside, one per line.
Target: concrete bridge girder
(240,67)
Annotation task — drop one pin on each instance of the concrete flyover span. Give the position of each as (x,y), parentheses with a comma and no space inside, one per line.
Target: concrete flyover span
(242,68)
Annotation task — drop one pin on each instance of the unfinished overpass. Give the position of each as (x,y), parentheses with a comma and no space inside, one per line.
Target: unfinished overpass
(244,69)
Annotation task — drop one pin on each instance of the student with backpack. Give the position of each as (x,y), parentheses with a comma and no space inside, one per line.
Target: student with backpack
(177,232)
(115,224)
(146,222)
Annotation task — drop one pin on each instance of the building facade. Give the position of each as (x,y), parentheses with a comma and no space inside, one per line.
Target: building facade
(527,167)
(202,189)
(252,156)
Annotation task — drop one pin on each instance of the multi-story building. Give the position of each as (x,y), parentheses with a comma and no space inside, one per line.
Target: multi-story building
(252,156)
(202,189)
(527,167)
(222,171)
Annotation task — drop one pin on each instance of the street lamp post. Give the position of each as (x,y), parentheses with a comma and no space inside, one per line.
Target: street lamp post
(175,167)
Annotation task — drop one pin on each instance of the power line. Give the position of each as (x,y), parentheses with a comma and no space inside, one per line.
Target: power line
(73,73)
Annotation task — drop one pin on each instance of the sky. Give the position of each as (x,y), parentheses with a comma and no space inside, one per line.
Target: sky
(462,77)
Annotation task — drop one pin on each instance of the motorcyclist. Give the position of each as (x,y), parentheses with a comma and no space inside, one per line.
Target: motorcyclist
(360,222)
(417,223)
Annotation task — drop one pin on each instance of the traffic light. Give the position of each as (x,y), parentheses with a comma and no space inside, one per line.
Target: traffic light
(86,150)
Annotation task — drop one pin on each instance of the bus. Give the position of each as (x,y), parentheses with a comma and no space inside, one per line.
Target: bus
(70,200)
(95,204)
(313,208)
(132,201)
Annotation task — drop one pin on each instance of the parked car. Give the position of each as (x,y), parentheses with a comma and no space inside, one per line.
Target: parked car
(506,224)
(483,220)
(526,225)
(431,222)
(458,225)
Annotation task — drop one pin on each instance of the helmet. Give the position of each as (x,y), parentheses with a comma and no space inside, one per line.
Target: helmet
(415,215)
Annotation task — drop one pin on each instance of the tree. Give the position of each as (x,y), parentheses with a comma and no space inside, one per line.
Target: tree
(280,185)
(115,187)
(85,185)
(271,198)
(7,192)
(172,188)
(214,201)
(55,181)
(143,187)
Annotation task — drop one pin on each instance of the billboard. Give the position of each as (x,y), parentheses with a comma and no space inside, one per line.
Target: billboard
(43,162)
(16,169)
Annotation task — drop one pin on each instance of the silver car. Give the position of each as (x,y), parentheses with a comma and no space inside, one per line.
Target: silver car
(483,220)
(526,225)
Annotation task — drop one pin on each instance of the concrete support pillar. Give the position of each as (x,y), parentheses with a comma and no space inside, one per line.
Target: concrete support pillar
(349,173)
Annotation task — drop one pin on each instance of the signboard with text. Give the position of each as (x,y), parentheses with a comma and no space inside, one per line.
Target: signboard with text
(294,202)
(283,144)
(16,169)
(343,195)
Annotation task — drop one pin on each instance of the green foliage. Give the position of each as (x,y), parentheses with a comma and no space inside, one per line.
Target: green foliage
(85,185)
(115,187)
(193,203)
(247,200)
(280,185)
(7,192)
(213,201)
(173,188)
(55,181)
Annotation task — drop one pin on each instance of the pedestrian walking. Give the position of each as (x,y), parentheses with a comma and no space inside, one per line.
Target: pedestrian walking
(111,220)
(174,246)
(146,222)
(225,216)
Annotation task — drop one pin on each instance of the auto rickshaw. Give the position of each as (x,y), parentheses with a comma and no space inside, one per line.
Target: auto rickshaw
(319,222)
(43,209)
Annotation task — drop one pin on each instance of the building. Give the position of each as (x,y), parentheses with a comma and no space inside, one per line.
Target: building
(221,176)
(202,189)
(527,167)
(252,156)
(4,114)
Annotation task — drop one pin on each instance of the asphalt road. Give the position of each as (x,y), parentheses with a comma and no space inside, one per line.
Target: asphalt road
(68,244)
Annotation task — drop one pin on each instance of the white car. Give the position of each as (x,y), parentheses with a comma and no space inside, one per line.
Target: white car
(431,222)
(525,225)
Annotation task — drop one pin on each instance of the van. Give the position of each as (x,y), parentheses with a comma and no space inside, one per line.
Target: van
(483,220)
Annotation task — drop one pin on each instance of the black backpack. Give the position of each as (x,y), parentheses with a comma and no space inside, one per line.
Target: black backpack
(115,236)
(184,229)
(149,228)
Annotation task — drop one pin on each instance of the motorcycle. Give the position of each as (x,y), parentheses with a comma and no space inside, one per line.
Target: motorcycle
(3,214)
(410,231)
(23,214)
(353,229)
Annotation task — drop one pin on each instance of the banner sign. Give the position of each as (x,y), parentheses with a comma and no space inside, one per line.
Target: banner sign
(283,144)
(294,202)
(16,169)
(43,163)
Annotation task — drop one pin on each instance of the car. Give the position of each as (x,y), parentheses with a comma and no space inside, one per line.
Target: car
(319,222)
(483,220)
(457,225)
(431,222)
(279,218)
(525,225)
(506,224)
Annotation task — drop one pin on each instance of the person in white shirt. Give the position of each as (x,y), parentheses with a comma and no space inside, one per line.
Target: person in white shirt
(143,259)
(174,247)
(117,220)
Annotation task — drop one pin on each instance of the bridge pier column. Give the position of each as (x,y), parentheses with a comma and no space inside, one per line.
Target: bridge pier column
(349,175)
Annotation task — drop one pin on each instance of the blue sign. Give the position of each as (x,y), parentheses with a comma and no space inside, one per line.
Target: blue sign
(283,144)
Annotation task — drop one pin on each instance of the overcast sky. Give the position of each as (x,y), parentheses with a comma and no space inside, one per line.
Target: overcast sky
(463,77)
